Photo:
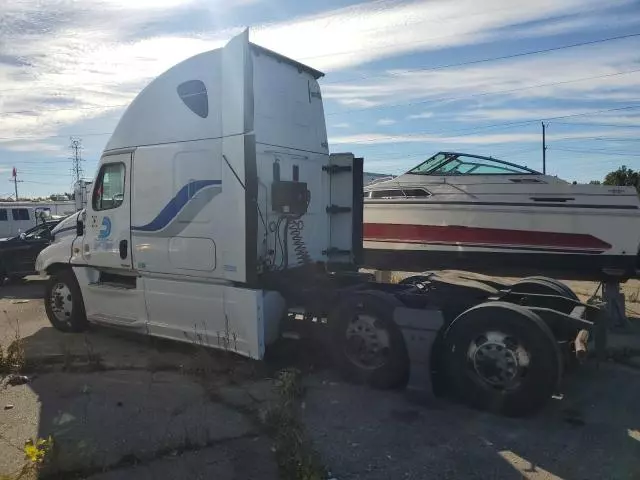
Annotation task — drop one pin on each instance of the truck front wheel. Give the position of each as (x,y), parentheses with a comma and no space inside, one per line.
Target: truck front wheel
(502,358)
(63,302)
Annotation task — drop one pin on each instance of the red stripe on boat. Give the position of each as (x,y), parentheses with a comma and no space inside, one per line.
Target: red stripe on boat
(386,232)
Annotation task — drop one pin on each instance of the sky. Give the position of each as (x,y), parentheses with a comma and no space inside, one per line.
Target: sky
(404,79)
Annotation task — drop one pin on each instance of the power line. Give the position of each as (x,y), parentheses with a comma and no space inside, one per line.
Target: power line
(595,152)
(448,36)
(483,94)
(600,139)
(589,124)
(484,60)
(573,159)
(35,174)
(471,131)
(42,183)
(614,139)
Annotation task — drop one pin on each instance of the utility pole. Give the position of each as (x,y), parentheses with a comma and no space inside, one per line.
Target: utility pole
(76,160)
(544,149)
(14,179)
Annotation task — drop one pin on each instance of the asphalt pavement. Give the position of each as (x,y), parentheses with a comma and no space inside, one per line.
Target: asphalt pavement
(121,406)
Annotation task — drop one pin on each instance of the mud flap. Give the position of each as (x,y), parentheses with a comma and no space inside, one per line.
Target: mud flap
(419,329)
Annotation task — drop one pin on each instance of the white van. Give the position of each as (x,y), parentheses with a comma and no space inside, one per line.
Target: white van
(16,219)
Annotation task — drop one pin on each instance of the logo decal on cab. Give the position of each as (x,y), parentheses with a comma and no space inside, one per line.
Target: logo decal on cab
(105,229)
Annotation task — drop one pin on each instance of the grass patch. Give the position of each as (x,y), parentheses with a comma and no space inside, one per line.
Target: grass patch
(94,359)
(294,454)
(13,358)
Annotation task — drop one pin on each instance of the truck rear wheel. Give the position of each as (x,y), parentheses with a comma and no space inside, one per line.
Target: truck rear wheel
(63,302)
(367,345)
(503,358)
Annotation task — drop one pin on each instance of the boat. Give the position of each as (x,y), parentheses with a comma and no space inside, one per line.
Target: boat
(481,214)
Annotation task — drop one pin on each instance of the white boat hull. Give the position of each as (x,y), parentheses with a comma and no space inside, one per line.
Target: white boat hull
(503,239)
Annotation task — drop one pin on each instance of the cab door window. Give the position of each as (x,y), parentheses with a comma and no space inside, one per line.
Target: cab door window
(108,192)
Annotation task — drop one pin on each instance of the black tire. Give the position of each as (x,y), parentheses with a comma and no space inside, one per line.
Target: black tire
(557,285)
(75,319)
(531,387)
(393,372)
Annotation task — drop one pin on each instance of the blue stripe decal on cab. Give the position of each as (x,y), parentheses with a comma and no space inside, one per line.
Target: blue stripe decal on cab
(176,204)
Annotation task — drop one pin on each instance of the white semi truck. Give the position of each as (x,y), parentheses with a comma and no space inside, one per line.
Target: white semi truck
(218,216)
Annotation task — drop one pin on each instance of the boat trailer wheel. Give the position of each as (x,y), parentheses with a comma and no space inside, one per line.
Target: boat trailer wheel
(498,359)
(61,302)
(367,342)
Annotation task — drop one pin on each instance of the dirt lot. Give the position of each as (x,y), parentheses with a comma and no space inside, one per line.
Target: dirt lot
(126,407)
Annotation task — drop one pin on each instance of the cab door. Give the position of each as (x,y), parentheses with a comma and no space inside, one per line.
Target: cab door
(107,237)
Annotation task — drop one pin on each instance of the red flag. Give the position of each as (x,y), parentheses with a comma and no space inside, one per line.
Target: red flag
(15,172)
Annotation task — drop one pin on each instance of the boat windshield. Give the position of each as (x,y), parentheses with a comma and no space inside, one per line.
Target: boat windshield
(427,166)
(462,164)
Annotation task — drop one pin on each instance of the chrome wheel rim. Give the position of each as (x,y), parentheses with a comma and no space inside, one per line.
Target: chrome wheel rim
(498,359)
(367,342)
(61,302)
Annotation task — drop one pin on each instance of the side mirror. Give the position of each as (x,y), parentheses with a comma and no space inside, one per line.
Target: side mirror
(79,228)
(22,236)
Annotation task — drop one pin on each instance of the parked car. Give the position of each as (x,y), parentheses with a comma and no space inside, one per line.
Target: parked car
(18,254)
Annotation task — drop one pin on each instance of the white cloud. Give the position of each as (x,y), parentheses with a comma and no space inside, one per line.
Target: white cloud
(582,21)
(341,125)
(385,121)
(142,4)
(51,149)
(563,74)
(630,117)
(422,115)
(379,29)
(358,103)
(609,118)
(90,58)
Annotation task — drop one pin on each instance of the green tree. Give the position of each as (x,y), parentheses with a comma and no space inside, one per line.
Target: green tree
(623,177)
